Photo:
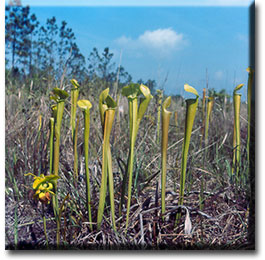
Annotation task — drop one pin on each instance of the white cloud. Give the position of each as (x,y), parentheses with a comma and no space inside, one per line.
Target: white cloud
(162,40)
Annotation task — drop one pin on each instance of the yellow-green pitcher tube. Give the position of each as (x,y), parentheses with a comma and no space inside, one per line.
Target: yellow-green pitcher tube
(106,103)
(165,126)
(74,124)
(203,115)
(131,156)
(57,134)
(250,85)
(237,102)
(191,107)
(236,133)
(111,189)
(85,105)
(74,97)
(86,150)
(190,116)
(109,118)
(75,152)
(136,114)
(51,142)
(159,102)
(208,115)
(59,97)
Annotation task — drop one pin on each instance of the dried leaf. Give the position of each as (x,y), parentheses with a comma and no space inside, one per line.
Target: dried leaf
(187,225)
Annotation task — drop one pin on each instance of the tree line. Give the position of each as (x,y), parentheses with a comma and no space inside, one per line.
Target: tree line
(48,54)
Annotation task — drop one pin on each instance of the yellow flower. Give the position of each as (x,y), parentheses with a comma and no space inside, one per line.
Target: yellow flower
(43,185)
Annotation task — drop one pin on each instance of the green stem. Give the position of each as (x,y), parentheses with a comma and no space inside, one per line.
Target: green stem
(57,217)
(250,84)
(75,151)
(45,231)
(74,97)
(133,132)
(165,126)
(111,188)
(203,115)
(237,100)
(201,196)
(160,96)
(109,117)
(51,142)
(58,225)
(136,114)
(208,114)
(190,116)
(60,108)
(85,106)
(86,149)
(236,134)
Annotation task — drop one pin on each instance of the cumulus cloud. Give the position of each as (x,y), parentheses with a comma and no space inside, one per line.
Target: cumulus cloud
(162,40)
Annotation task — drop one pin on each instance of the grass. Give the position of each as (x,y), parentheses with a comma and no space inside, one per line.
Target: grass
(224,217)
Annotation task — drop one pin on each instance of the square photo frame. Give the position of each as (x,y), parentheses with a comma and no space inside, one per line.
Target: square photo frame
(130,126)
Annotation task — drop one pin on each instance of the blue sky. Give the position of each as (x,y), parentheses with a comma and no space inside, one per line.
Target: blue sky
(171,43)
